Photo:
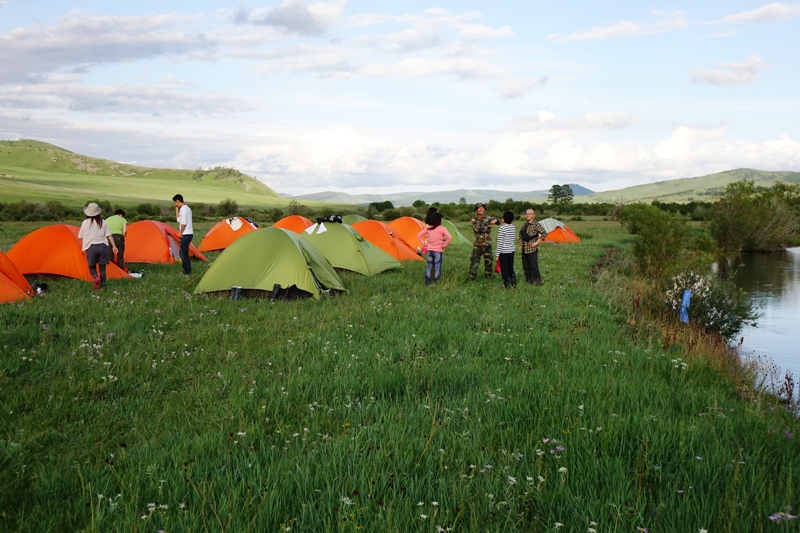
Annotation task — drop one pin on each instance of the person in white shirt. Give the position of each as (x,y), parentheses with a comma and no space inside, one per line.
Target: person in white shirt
(505,249)
(184,216)
(95,241)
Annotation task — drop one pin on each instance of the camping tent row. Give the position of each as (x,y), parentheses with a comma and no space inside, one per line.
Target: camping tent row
(280,262)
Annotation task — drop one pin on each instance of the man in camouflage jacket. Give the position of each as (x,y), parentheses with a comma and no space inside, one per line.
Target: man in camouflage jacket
(482,227)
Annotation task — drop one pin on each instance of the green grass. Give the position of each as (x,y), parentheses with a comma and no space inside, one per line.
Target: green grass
(396,407)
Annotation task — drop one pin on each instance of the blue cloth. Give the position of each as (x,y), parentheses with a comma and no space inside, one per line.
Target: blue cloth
(684,314)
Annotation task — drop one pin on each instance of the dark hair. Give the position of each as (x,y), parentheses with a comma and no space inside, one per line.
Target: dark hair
(429,217)
(508,217)
(97,219)
(120,212)
(436,219)
(178,197)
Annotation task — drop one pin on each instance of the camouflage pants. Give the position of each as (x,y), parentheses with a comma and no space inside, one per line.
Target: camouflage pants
(479,250)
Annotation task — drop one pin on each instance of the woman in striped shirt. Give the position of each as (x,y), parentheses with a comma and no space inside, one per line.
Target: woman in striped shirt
(505,249)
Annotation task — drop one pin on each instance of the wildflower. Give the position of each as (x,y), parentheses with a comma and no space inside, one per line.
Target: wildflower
(563,469)
(346,501)
(782,517)
(512,480)
(703,530)
(697,457)
(423,517)
(434,503)
(557,525)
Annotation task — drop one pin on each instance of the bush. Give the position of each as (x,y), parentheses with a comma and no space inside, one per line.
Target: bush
(716,305)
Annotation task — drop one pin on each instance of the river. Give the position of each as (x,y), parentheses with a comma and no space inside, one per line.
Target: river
(772,283)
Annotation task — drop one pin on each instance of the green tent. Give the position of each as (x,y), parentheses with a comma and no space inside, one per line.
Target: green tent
(347,249)
(260,260)
(352,219)
(458,237)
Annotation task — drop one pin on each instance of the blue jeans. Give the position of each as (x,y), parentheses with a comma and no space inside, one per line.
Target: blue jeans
(186,240)
(434,267)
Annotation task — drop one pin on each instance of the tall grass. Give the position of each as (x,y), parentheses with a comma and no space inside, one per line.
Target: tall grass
(397,407)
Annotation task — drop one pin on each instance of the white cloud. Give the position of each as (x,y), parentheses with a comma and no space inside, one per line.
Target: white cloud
(77,42)
(295,16)
(765,13)
(665,22)
(731,73)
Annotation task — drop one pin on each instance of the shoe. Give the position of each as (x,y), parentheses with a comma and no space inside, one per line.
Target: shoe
(102,286)
(96,284)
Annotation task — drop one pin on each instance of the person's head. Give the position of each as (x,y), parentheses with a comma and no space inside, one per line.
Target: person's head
(177,200)
(120,212)
(530,214)
(93,211)
(508,217)
(436,220)
(480,209)
(431,212)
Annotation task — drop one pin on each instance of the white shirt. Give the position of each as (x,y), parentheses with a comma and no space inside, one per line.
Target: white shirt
(185,218)
(90,233)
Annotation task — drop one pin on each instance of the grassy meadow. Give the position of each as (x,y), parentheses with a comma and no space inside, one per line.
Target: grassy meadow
(396,407)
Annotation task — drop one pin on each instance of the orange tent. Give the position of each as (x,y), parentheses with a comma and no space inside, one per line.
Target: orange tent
(56,250)
(407,229)
(13,285)
(557,231)
(225,232)
(382,235)
(295,223)
(150,241)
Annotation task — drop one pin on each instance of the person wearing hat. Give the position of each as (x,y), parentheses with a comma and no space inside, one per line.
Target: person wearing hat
(482,228)
(95,241)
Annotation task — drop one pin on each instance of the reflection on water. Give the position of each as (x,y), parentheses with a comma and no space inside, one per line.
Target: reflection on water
(772,282)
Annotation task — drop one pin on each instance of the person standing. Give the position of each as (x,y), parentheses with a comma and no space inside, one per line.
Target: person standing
(118,227)
(482,228)
(531,234)
(437,238)
(184,215)
(505,250)
(95,241)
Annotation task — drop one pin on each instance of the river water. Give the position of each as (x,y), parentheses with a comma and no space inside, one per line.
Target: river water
(772,283)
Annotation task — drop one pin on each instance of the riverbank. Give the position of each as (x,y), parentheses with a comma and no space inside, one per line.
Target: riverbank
(396,407)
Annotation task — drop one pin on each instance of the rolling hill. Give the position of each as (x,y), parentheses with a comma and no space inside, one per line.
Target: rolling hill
(39,172)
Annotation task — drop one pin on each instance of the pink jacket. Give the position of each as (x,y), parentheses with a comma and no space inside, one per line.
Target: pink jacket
(438,238)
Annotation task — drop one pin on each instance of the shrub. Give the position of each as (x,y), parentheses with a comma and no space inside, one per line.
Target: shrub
(716,305)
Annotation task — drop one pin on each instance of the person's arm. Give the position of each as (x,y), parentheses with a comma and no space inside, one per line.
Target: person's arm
(447,238)
(525,233)
(124,229)
(111,243)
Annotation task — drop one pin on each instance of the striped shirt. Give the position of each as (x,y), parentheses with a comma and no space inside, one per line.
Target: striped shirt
(505,239)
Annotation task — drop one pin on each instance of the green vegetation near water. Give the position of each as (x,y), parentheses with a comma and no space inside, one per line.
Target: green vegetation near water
(396,407)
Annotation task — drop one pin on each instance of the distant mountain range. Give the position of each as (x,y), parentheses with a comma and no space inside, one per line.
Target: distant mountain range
(470,196)
(36,171)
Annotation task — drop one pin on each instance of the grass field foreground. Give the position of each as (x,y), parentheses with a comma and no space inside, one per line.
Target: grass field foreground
(396,407)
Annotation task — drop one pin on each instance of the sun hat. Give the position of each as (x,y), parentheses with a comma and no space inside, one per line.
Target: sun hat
(92,210)
(479,205)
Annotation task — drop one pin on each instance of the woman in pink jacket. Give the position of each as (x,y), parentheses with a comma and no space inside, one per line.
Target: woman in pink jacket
(437,238)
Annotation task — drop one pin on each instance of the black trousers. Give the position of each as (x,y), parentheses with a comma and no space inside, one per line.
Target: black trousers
(530,264)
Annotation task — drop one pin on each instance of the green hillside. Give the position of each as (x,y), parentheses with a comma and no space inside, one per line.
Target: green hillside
(40,172)
(702,188)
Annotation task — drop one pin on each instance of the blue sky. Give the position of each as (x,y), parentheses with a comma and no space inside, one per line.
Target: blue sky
(387,96)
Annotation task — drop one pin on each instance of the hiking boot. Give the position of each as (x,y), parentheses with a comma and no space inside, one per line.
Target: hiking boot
(96,284)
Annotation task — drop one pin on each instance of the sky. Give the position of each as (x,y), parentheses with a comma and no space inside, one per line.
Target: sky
(381,96)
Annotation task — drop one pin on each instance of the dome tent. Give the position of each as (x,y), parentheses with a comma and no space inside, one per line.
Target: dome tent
(347,249)
(270,257)
(151,241)
(557,231)
(56,250)
(382,235)
(295,223)
(224,232)
(13,285)
(407,229)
